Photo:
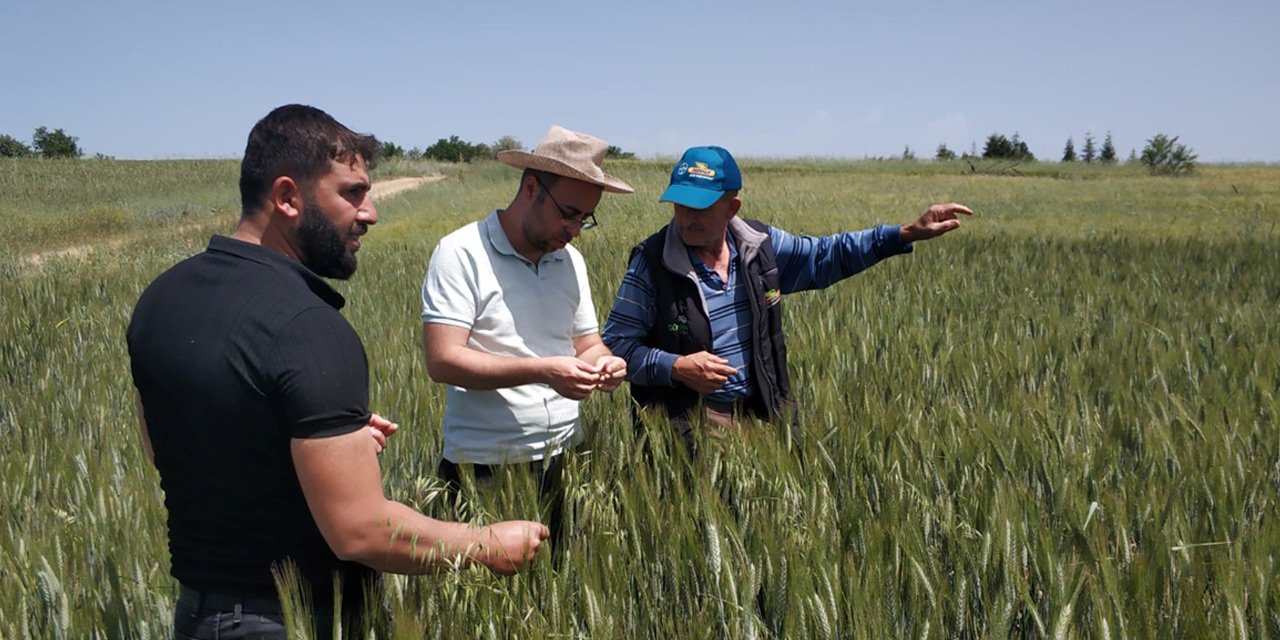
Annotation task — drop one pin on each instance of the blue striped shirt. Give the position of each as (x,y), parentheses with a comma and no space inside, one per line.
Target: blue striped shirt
(729,312)
(804,262)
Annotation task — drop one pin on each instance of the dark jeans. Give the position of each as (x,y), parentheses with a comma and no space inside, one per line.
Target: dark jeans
(215,616)
(550,488)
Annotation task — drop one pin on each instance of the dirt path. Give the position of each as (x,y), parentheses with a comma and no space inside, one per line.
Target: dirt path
(381,190)
(388,188)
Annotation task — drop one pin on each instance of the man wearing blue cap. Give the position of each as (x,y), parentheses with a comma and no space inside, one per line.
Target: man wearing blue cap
(698,315)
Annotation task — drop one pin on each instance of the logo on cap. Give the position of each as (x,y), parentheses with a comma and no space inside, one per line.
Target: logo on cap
(701,170)
(682,169)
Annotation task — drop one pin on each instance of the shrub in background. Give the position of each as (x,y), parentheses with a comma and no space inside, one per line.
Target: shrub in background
(1013,148)
(11,147)
(390,150)
(618,154)
(55,144)
(505,143)
(455,149)
(1164,156)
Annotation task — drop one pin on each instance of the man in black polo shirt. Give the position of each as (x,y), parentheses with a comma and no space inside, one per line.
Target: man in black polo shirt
(253,402)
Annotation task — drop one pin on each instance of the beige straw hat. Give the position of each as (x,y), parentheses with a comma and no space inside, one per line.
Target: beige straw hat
(569,154)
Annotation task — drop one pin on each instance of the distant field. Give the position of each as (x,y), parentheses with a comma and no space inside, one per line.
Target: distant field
(1062,420)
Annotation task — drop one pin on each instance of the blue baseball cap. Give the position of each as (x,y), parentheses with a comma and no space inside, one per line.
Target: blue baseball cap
(701,176)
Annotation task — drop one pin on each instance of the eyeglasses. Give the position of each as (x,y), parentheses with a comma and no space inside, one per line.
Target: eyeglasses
(586,221)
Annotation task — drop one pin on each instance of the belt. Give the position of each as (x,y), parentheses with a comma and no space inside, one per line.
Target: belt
(735,408)
(211,600)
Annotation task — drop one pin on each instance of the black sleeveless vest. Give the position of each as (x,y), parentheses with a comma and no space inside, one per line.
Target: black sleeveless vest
(681,327)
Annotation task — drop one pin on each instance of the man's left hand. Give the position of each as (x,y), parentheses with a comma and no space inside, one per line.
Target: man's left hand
(613,370)
(937,220)
(381,429)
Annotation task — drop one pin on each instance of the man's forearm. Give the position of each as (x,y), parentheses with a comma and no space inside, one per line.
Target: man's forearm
(342,483)
(452,361)
(645,365)
(594,353)
(471,369)
(401,540)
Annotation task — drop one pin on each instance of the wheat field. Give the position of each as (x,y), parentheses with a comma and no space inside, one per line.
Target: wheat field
(1059,421)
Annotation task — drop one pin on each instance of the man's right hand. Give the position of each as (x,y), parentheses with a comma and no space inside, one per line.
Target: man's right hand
(703,371)
(935,221)
(508,547)
(571,377)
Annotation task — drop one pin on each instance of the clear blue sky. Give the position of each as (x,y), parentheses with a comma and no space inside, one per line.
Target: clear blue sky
(188,79)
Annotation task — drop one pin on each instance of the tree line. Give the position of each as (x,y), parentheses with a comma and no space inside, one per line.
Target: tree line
(44,144)
(455,149)
(1163,154)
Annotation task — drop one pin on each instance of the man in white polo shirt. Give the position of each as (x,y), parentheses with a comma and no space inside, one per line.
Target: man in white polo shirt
(508,322)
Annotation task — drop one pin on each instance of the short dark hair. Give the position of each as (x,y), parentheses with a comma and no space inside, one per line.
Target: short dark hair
(297,141)
(546,177)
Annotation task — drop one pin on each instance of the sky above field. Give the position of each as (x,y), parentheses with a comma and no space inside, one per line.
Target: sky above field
(764,79)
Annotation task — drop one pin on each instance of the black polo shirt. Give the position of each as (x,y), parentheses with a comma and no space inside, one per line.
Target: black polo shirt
(234,352)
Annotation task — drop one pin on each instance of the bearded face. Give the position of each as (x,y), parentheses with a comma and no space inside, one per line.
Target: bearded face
(324,248)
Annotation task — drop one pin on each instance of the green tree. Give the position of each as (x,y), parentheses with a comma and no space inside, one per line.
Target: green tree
(943,153)
(455,149)
(55,144)
(11,147)
(1024,153)
(997,146)
(505,143)
(1069,153)
(1108,155)
(1090,152)
(1164,156)
(1000,147)
(908,154)
(618,154)
(390,150)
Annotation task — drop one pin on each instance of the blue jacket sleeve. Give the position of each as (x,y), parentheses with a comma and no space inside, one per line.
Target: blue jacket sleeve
(817,262)
(629,323)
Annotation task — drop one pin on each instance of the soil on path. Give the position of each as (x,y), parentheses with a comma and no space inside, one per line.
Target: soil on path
(381,190)
(388,188)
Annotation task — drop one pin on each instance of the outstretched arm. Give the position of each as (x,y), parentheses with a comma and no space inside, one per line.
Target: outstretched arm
(817,262)
(343,487)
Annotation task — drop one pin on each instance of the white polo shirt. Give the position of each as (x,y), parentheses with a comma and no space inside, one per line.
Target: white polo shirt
(513,308)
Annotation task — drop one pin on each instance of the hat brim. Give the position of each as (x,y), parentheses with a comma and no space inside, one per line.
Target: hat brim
(692,197)
(526,160)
